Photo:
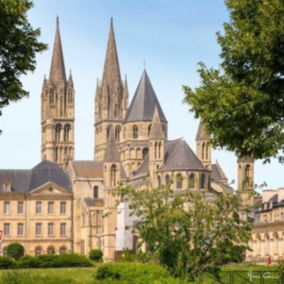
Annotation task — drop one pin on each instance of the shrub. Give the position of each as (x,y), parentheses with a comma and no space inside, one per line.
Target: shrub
(28,261)
(7,262)
(133,273)
(71,260)
(96,254)
(15,250)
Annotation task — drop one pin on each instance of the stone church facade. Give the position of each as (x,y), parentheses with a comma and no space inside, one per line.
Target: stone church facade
(60,205)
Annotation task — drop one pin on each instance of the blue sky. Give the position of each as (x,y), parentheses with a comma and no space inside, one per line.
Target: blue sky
(171,36)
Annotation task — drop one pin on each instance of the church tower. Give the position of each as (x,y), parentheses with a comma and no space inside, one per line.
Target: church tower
(246,179)
(203,147)
(111,99)
(57,109)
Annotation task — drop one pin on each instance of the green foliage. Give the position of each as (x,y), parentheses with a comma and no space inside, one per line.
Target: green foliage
(15,250)
(242,103)
(24,277)
(96,254)
(46,261)
(7,262)
(133,273)
(18,47)
(187,233)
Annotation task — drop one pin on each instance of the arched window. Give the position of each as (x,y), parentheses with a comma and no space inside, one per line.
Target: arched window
(156,149)
(113,175)
(62,249)
(159,150)
(135,132)
(56,154)
(38,251)
(202,181)
(191,181)
(66,132)
(108,131)
(116,110)
(159,181)
(247,170)
(50,250)
(203,151)
(117,133)
(70,96)
(167,179)
(95,192)
(149,130)
(178,181)
(207,151)
(145,152)
(57,132)
(52,97)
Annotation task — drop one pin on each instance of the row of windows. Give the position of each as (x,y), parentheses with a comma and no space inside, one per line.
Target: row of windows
(53,96)
(38,207)
(180,180)
(38,229)
(66,132)
(135,132)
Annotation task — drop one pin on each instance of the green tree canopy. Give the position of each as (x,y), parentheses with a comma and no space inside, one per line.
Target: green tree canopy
(242,103)
(18,47)
(188,233)
(15,250)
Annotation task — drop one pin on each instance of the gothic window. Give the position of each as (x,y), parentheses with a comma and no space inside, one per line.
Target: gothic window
(95,192)
(149,130)
(135,132)
(61,106)
(116,110)
(207,151)
(178,181)
(52,97)
(66,132)
(108,131)
(191,181)
(203,151)
(159,150)
(145,152)
(113,175)
(156,149)
(247,170)
(70,97)
(117,133)
(202,181)
(57,132)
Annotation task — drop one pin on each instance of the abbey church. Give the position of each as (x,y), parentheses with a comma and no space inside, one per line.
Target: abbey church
(59,205)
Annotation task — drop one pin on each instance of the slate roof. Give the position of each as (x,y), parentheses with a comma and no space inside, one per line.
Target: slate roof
(178,156)
(88,169)
(144,102)
(24,181)
(217,172)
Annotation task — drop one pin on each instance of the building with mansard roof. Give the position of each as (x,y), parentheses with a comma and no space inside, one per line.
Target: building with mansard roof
(131,146)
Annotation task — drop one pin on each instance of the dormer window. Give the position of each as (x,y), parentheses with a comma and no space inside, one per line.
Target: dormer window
(7,186)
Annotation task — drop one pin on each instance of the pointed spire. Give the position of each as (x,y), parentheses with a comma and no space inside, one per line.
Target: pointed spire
(111,153)
(125,87)
(201,132)
(57,69)
(70,79)
(111,65)
(156,131)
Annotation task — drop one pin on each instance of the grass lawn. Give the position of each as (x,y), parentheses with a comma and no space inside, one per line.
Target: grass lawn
(86,275)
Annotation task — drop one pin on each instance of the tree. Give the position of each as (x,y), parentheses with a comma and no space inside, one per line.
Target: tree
(187,233)
(242,102)
(15,250)
(18,47)
(96,255)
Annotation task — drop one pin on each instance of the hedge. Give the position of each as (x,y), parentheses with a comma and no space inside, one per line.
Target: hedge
(45,261)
